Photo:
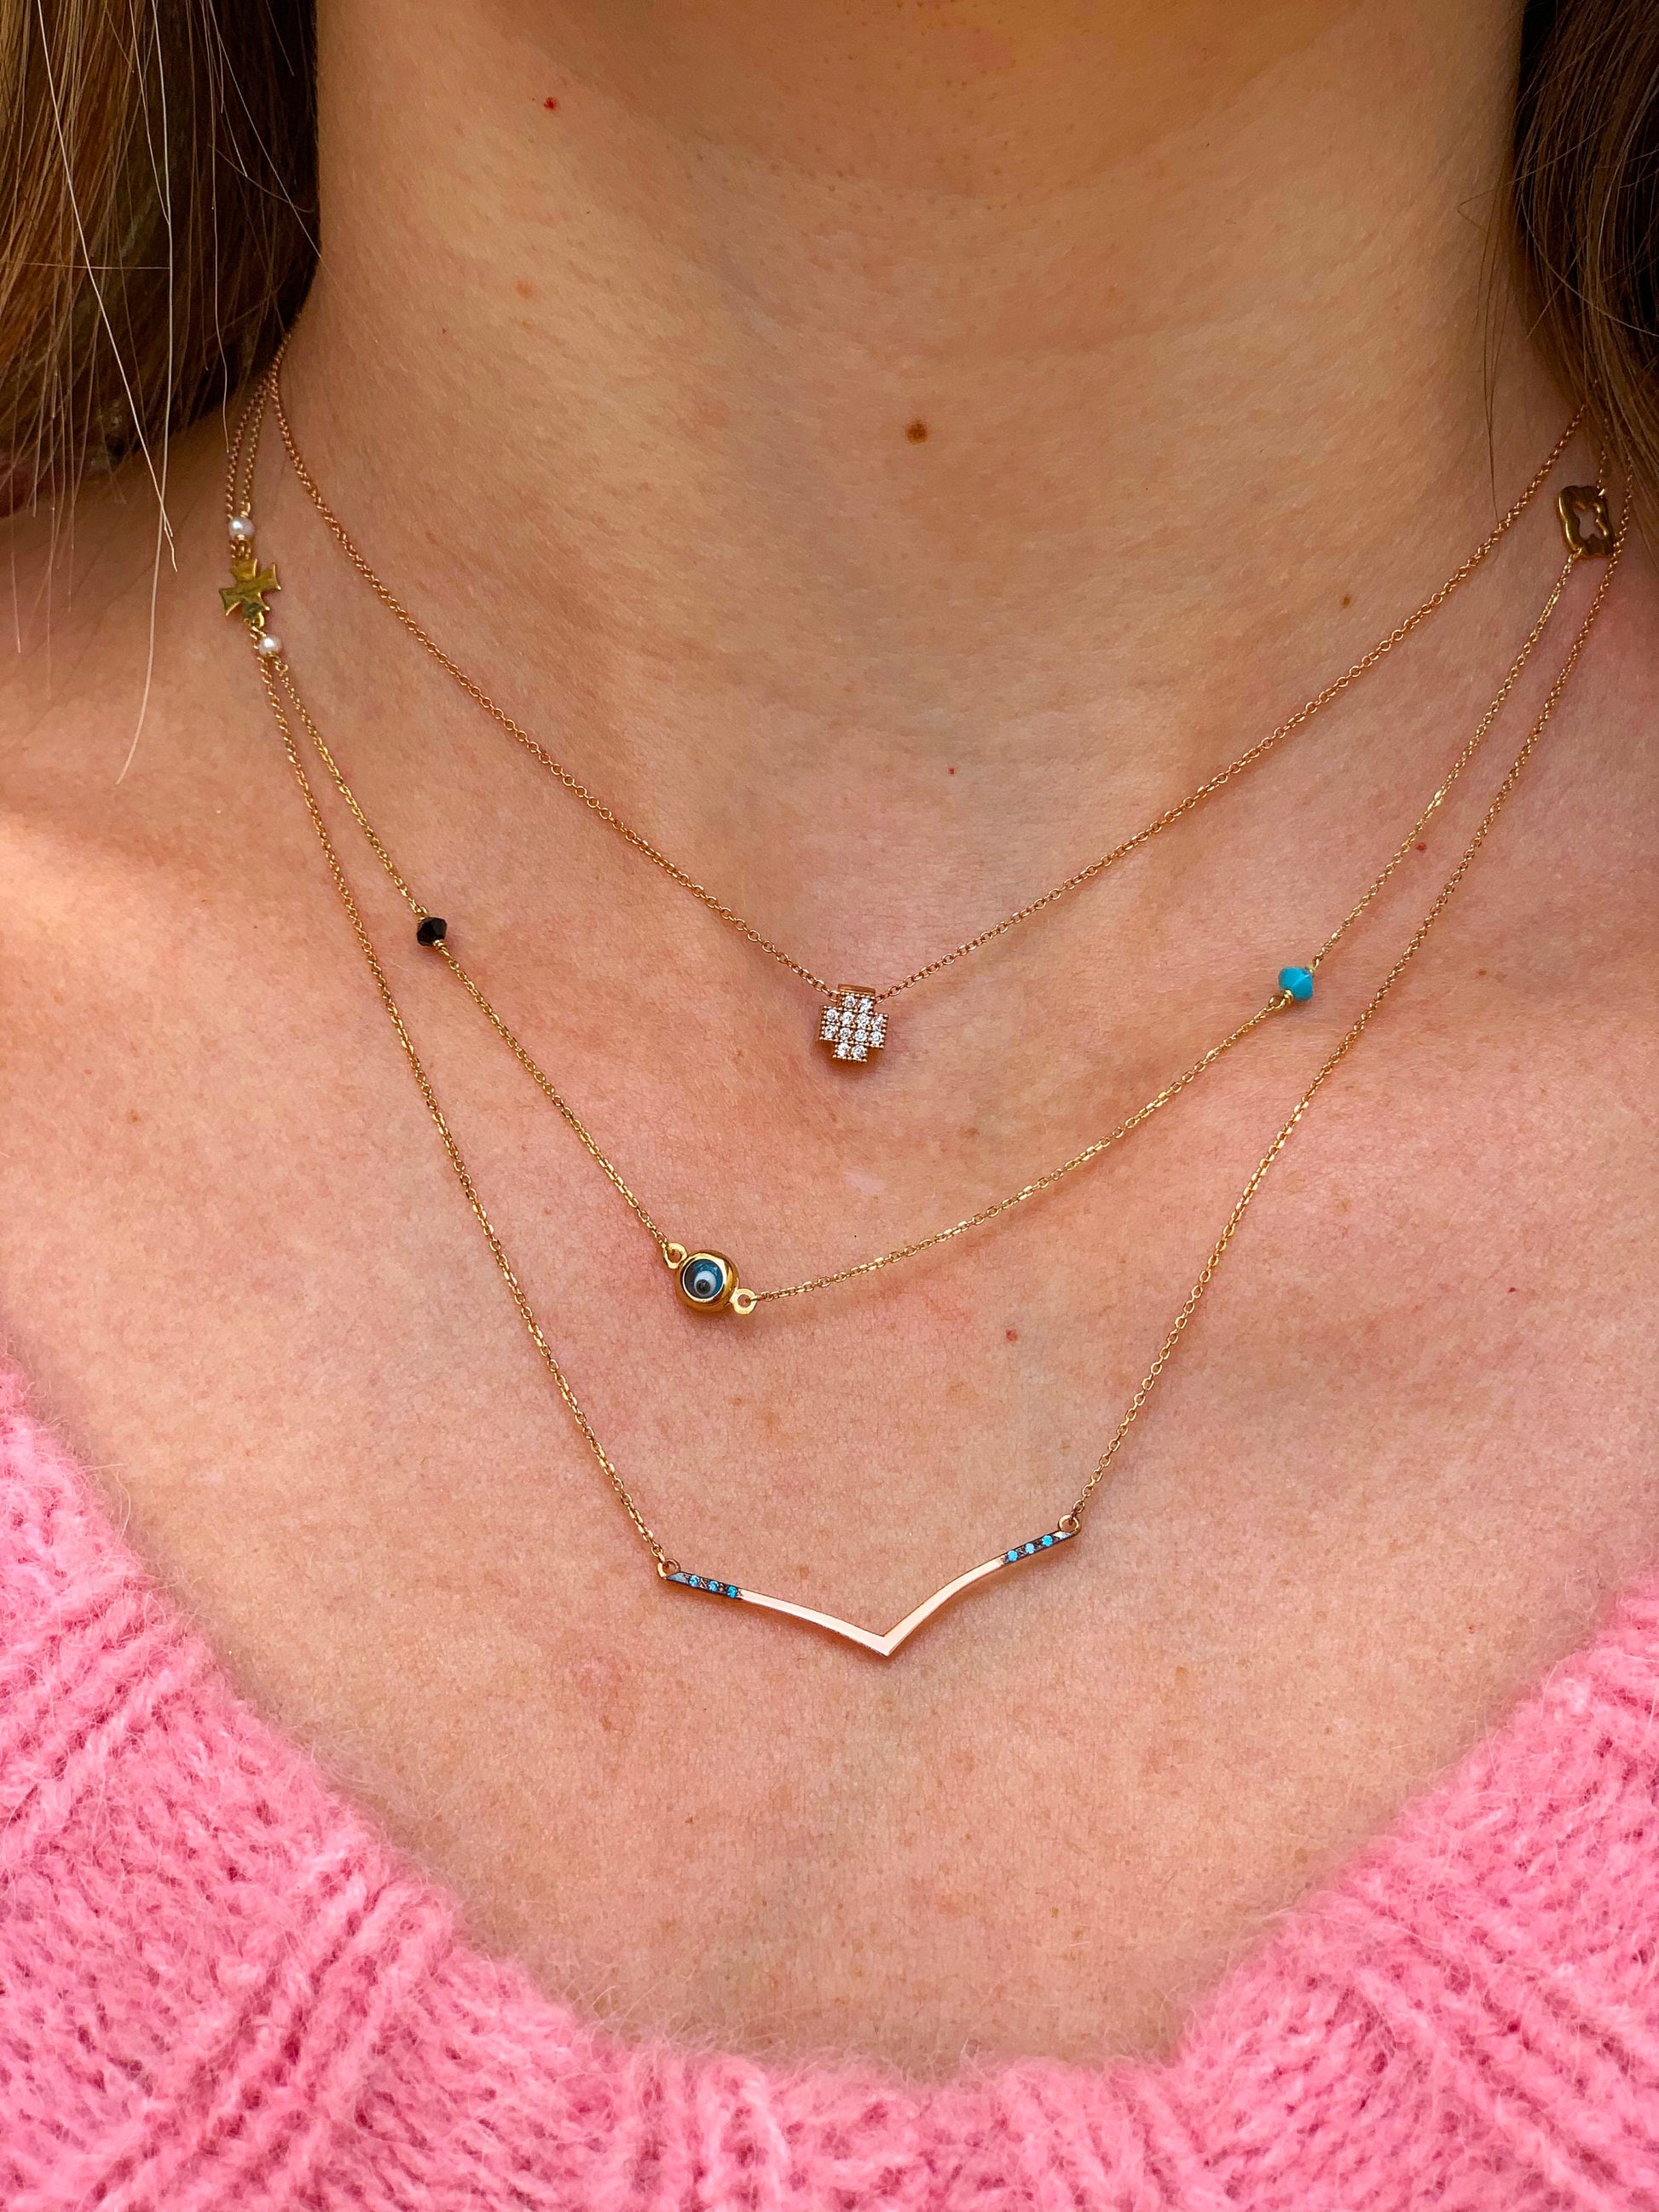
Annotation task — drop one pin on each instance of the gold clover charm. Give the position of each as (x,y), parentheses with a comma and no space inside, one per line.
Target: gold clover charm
(247,596)
(1586,516)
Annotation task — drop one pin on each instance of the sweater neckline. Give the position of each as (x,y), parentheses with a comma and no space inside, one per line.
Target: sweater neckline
(100,1549)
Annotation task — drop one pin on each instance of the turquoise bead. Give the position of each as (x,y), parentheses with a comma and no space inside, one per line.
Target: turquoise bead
(1298,981)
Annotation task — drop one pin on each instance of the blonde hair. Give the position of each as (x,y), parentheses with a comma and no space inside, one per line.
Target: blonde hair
(158,235)
(160,232)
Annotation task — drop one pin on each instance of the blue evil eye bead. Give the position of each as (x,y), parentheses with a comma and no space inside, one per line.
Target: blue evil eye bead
(1298,981)
(705,1281)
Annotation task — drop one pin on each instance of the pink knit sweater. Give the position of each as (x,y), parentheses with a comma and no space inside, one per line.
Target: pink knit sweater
(222,1991)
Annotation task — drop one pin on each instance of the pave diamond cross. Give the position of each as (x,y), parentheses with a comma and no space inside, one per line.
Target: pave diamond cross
(852,1026)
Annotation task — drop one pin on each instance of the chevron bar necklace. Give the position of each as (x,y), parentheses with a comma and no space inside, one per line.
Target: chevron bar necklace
(1596,535)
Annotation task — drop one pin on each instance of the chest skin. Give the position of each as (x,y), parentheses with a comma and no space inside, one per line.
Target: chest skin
(1400,1464)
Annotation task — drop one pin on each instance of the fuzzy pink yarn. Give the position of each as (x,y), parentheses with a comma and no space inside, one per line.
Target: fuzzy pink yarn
(221,1991)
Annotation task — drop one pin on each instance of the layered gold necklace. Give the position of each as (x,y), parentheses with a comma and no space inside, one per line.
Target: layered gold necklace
(708,1281)
(852,1020)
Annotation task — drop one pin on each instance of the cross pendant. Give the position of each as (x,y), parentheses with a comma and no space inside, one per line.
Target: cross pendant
(252,586)
(852,1026)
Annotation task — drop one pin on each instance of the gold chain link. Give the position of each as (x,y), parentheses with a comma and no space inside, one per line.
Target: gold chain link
(1039,1184)
(457,1161)
(1349,1038)
(238,503)
(269,393)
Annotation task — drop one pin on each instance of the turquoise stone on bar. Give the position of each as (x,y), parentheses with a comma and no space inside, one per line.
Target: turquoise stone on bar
(1298,981)
(706,1582)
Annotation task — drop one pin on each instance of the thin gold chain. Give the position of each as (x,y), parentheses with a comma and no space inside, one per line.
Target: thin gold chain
(269,393)
(399,882)
(1351,1037)
(675,1254)
(1072,1522)
(457,1160)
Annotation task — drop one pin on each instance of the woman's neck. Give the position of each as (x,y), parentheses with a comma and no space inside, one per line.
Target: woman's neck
(629,322)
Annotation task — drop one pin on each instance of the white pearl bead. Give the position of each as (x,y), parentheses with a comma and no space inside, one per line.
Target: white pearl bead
(268,644)
(241,530)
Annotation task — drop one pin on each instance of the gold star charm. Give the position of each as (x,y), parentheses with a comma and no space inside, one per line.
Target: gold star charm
(247,596)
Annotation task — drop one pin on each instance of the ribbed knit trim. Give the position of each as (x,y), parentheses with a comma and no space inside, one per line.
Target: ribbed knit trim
(222,1989)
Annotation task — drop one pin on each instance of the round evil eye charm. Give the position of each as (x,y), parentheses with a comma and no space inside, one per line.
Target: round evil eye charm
(705,1281)
(708,1281)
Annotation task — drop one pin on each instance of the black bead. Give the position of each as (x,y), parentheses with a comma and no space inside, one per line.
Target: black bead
(431,929)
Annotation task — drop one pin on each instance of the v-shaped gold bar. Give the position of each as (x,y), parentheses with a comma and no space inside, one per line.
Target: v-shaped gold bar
(883,1646)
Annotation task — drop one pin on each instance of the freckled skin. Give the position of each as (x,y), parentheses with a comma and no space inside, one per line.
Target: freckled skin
(1404,1455)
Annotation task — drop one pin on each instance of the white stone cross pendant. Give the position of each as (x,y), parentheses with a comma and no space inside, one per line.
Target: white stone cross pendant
(852,1026)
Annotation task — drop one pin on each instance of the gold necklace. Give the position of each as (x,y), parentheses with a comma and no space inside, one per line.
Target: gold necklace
(250,587)
(708,1281)
(852,1019)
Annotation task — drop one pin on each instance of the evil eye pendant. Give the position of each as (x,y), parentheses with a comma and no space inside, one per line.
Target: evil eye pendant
(708,1281)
